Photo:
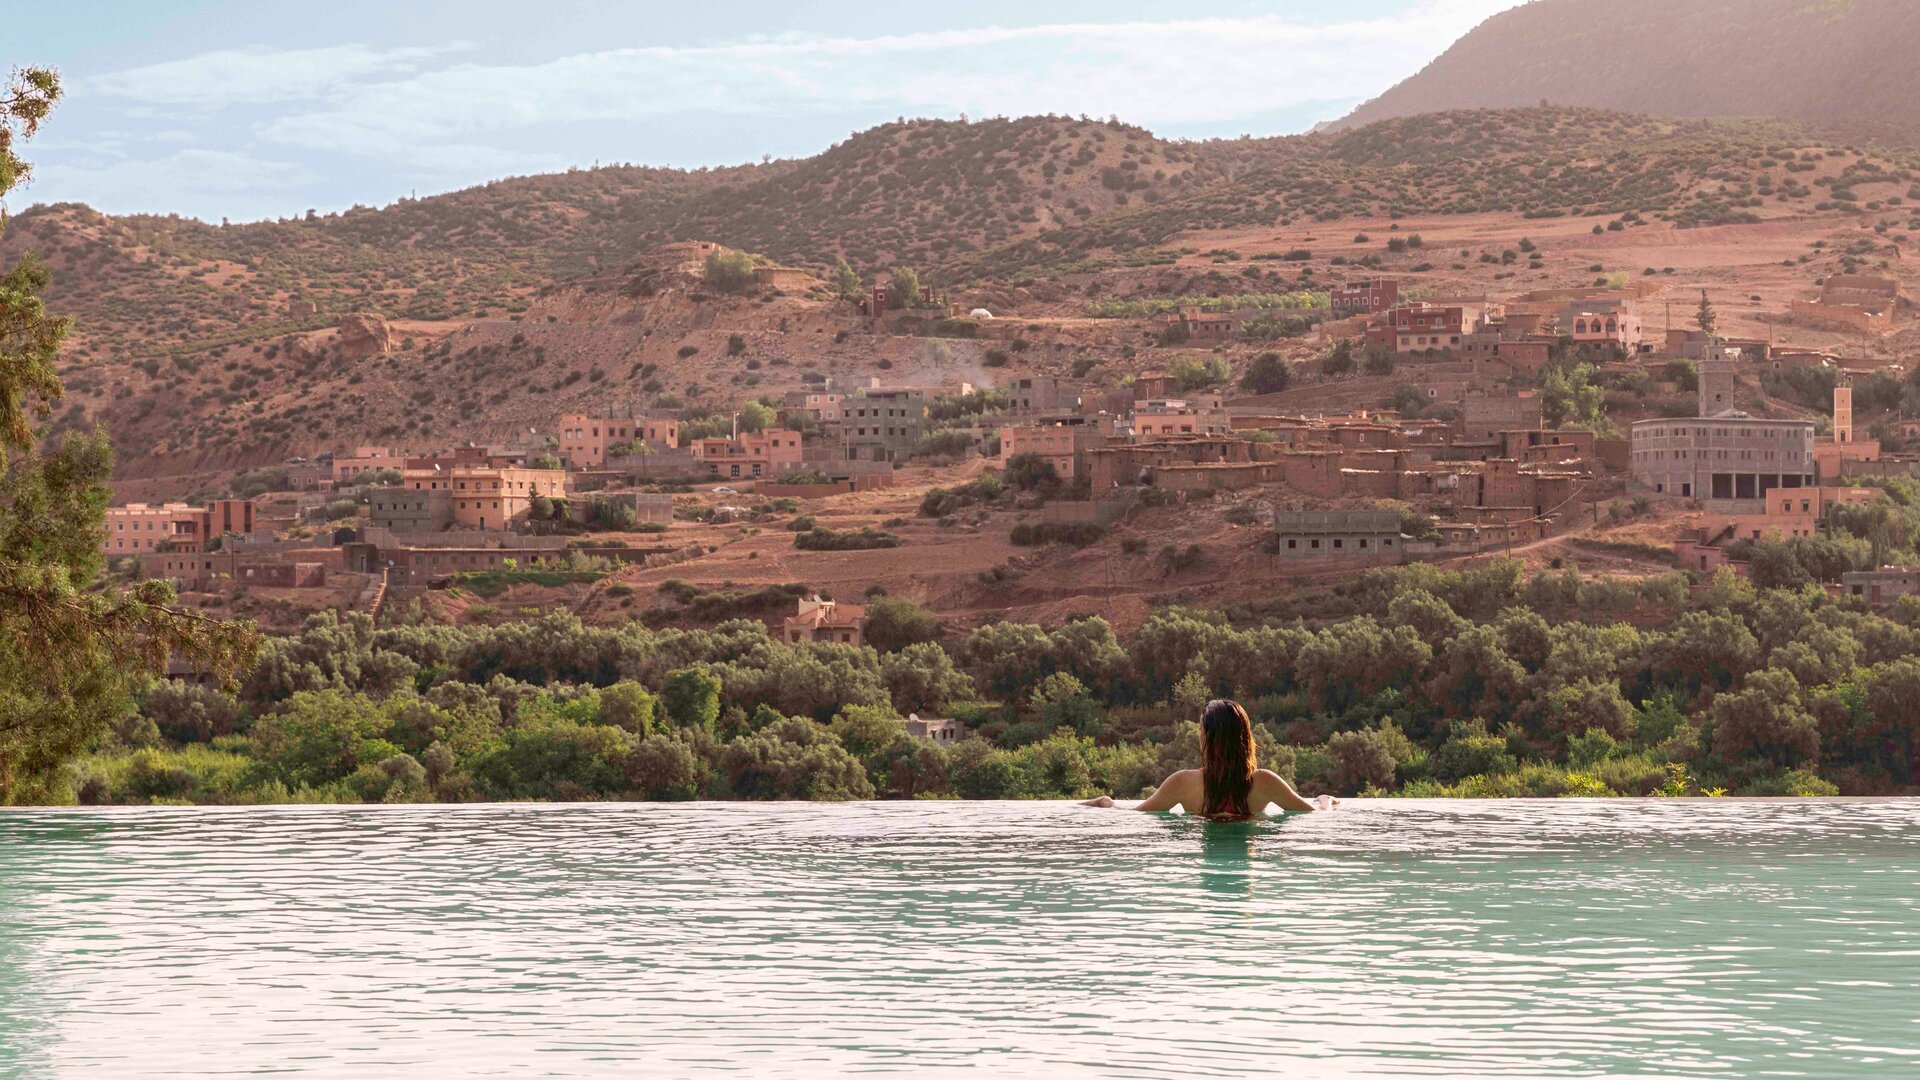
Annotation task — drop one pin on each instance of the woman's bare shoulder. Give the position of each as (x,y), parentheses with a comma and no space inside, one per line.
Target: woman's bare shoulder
(1184,780)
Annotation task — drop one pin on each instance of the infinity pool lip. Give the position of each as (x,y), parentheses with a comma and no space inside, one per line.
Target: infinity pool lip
(746,805)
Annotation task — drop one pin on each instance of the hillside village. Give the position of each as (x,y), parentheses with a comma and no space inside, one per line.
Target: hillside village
(1286,440)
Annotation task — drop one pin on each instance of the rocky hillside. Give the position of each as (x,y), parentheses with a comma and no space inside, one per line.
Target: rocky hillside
(1541,162)
(922,193)
(142,285)
(1796,59)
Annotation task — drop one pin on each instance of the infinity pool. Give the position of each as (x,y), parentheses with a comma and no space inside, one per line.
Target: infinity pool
(1530,938)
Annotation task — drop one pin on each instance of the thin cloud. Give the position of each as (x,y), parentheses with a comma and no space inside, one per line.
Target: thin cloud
(260,75)
(1155,73)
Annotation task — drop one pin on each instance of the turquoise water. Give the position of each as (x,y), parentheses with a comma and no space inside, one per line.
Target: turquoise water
(1570,938)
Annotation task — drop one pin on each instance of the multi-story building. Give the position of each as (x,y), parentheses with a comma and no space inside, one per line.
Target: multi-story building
(1160,419)
(138,528)
(1482,416)
(825,621)
(490,496)
(356,465)
(1418,328)
(1154,386)
(750,456)
(1603,323)
(1037,394)
(1369,297)
(1723,457)
(410,510)
(587,441)
(823,405)
(884,423)
(1057,445)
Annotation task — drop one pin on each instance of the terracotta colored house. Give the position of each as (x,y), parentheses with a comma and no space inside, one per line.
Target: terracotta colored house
(747,457)
(487,496)
(825,621)
(1369,297)
(138,528)
(1055,444)
(586,441)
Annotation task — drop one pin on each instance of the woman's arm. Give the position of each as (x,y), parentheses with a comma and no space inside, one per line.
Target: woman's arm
(1169,794)
(1271,787)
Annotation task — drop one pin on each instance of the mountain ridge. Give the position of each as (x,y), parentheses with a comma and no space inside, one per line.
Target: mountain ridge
(1792,59)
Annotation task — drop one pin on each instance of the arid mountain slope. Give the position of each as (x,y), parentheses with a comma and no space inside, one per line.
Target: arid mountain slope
(1540,162)
(920,193)
(1797,59)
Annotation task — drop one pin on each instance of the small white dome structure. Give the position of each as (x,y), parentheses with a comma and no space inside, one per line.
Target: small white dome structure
(980,313)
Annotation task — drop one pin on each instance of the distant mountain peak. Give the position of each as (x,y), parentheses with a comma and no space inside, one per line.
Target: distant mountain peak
(1792,59)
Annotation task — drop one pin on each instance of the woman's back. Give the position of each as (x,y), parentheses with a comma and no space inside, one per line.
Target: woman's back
(1186,789)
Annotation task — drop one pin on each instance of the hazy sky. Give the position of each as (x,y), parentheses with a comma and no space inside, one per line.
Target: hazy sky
(262,108)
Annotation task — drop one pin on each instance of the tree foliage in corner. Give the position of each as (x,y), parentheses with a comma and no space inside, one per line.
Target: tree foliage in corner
(71,651)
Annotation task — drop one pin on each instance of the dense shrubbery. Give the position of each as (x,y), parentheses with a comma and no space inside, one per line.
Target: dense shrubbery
(818,539)
(940,502)
(694,603)
(1147,308)
(1052,532)
(1412,679)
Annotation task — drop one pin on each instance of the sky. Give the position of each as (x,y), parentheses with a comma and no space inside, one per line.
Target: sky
(265,108)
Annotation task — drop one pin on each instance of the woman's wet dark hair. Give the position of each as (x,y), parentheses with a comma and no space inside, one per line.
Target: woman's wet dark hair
(1227,759)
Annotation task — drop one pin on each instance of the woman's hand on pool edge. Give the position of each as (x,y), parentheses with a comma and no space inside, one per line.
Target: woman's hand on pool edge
(1104,802)
(1325,802)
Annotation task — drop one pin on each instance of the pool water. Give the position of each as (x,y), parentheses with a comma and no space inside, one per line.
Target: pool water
(1569,938)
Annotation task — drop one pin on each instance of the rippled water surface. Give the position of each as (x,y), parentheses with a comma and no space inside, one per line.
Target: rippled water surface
(1565,938)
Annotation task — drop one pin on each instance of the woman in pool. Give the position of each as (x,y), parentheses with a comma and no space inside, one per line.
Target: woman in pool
(1228,784)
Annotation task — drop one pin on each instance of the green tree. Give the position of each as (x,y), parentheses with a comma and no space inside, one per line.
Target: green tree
(1063,701)
(1268,374)
(730,271)
(556,757)
(322,736)
(1764,722)
(893,624)
(70,654)
(865,730)
(923,678)
(691,697)
(1029,472)
(666,768)
(1569,398)
(1706,318)
(1361,759)
(846,281)
(1339,360)
(903,288)
(756,417)
(629,707)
